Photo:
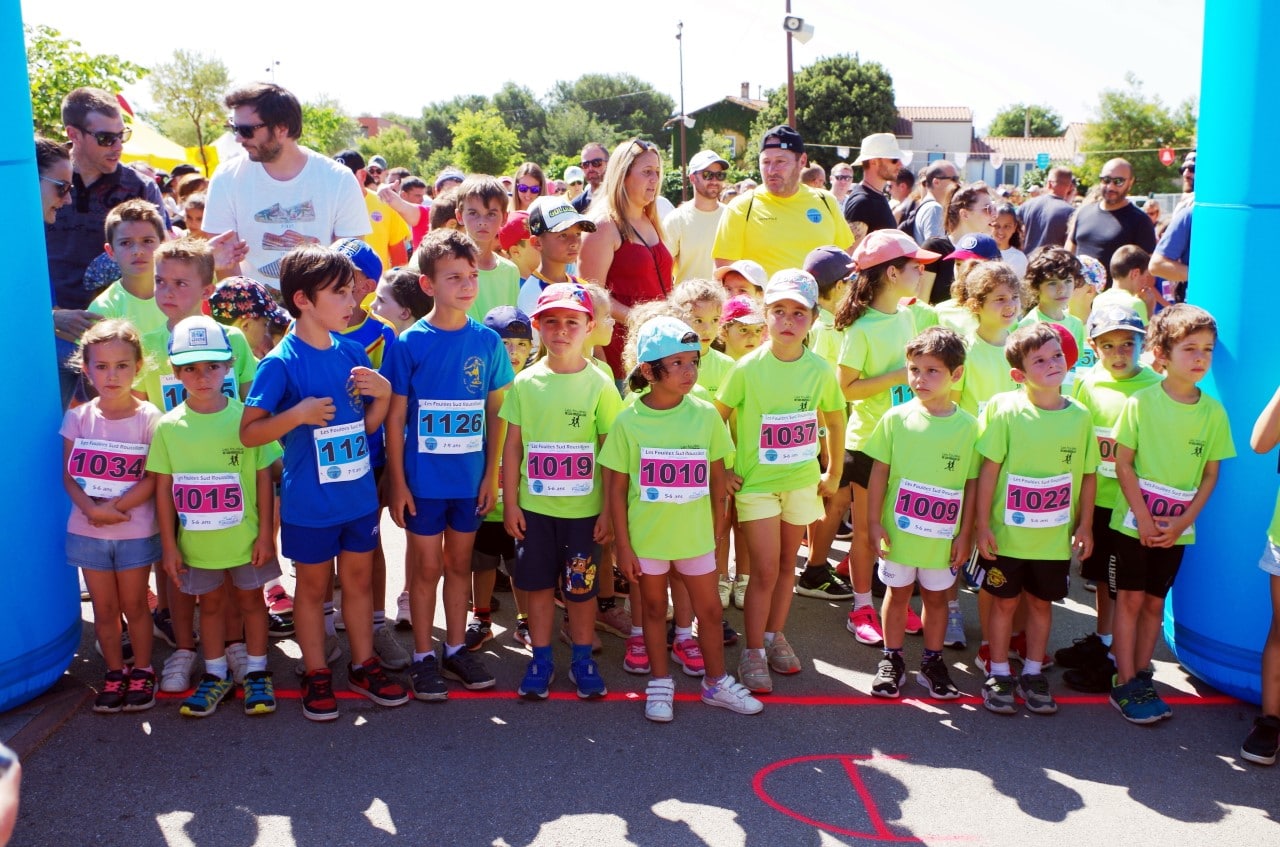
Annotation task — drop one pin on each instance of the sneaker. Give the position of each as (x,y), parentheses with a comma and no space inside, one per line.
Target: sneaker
(845,531)
(954,637)
(998,695)
(730,694)
(1094,678)
(782,659)
(318,702)
(162,626)
(537,680)
(686,653)
(1018,649)
(1263,741)
(730,634)
(332,653)
(111,698)
(520,634)
(141,693)
(596,646)
(404,620)
(824,584)
(890,674)
(126,646)
(864,623)
(278,600)
(740,590)
(467,669)
(915,626)
(1033,688)
(428,684)
(259,693)
(842,568)
(585,674)
(615,621)
(238,661)
(369,678)
(279,626)
(478,632)
(753,670)
(983,659)
(175,676)
(208,694)
(936,679)
(1082,653)
(1161,707)
(659,700)
(1136,702)
(724,587)
(1091,586)
(391,652)
(339,623)
(636,658)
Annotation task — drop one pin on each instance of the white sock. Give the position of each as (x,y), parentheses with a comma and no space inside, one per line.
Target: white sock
(256,664)
(1031,667)
(636,630)
(451,650)
(768,638)
(1000,669)
(861,599)
(418,657)
(684,632)
(217,667)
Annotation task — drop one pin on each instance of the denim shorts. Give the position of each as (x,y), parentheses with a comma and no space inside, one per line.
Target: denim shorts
(103,554)
(197,581)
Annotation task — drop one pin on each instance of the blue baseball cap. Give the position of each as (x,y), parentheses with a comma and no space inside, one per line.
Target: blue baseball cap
(976,245)
(792,284)
(509,322)
(665,336)
(361,255)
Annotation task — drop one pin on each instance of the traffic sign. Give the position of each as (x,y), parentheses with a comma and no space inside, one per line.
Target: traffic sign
(1042,160)
(1167,156)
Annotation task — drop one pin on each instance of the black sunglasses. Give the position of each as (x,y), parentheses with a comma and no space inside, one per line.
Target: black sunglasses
(244,130)
(713,176)
(592,163)
(108,139)
(63,188)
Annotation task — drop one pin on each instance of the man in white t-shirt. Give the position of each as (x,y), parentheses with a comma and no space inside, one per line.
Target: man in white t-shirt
(691,228)
(280,194)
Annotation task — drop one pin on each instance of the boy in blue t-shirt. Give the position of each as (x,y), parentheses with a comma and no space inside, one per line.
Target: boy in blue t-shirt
(317,392)
(450,373)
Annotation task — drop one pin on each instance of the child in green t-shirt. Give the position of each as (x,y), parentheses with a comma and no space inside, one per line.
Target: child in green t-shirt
(741,327)
(1169,441)
(1034,507)
(134,229)
(920,497)
(1263,742)
(666,494)
(994,296)
(1053,275)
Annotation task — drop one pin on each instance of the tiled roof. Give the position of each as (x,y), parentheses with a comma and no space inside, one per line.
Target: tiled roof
(1019,149)
(936,114)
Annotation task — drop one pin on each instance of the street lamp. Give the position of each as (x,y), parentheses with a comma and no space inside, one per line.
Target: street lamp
(684,150)
(799,30)
(271,69)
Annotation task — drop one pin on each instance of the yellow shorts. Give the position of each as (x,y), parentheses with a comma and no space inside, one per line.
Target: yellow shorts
(798,508)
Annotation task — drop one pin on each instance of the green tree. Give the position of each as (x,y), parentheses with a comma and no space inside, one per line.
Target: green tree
(433,130)
(393,144)
(523,112)
(839,101)
(570,127)
(56,65)
(1132,126)
(484,144)
(1012,121)
(190,90)
(326,128)
(629,105)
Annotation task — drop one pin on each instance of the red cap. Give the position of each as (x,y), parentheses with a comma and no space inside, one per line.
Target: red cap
(1070,349)
(515,230)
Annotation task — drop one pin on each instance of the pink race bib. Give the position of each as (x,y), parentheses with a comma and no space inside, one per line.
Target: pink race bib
(672,476)
(106,468)
(561,468)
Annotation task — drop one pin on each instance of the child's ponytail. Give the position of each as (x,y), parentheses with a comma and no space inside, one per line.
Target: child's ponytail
(866,285)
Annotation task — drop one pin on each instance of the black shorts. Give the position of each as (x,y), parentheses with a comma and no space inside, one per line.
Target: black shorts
(1097,568)
(1150,570)
(558,553)
(493,546)
(857,469)
(1008,577)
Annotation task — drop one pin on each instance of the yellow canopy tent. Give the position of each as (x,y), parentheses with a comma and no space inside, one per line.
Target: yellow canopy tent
(148,145)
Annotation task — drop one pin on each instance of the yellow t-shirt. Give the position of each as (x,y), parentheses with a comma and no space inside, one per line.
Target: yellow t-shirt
(388,228)
(779,232)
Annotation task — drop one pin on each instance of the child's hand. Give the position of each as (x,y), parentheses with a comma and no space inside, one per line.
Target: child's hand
(1168,531)
(315,411)
(264,551)
(171,561)
(628,564)
(986,541)
(603,531)
(400,502)
(732,483)
(961,550)
(105,514)
(829,483)
(370,383)
(486,500)
(513,521)
(1148,532)
(878,537)
(1082,541)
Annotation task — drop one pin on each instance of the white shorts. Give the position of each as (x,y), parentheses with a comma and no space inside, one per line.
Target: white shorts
(697,566)
(1270,561)
(895,575)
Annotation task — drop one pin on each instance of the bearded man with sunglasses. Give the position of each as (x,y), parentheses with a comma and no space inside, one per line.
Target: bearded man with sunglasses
(279,194)
(1102,228)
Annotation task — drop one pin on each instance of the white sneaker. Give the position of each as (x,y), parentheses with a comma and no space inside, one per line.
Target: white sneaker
(238,661)
(730,694)
(332,653)
(725,587)
(403,618)
(659,700)
(389,649)
(338,623)
(175,676)
(740,590)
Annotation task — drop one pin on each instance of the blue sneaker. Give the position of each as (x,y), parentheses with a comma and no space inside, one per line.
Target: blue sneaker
(259,693)
(1137,702)
(537,680)
(1159,705)
(208,694)
(585,674)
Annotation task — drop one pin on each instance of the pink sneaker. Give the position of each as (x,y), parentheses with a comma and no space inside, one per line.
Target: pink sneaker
(636,659)
(278,602)
(915,626)
(686,653)
(864,623)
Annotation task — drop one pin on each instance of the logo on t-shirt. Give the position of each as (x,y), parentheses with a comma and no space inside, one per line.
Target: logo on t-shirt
(575,417)
(814,216)
(1197,447)
(1068,453)
(802,402)
(233,455)
(949,461)
(353,395)
(473,374)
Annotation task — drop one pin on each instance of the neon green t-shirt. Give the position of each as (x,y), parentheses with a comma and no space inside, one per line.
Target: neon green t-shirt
(165,391)
(665,455)
(115,302)
(956,318)
(1043,458)
(561,418)
(986,374)
(930,458)
(777,404)
(215,488)
(1116,296)
(1273,531)
(824,339)
(1104,397)
(1171,441)
(875,344)
(712,369)
(498,287)
(923,314)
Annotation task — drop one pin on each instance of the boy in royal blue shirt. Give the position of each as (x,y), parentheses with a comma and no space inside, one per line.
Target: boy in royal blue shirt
(317,392)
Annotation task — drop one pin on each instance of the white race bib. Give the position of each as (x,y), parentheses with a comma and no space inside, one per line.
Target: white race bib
(673,476)
(208,501)
(172,392)
(929,511)
(342,452)
(450,426)
(106,468)
(1106,436)
(788,439)
(561,468)
(1035,502)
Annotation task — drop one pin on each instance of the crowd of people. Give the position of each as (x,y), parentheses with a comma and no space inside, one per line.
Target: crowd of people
(571,389)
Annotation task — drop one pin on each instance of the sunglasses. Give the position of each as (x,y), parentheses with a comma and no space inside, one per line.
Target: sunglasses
(713,176)
(592,163)
(63,188)
(1189,169)
(843,177)
(375,171)
(108,139)
(529,189)
(1113,180)
(244,130)
(644,146)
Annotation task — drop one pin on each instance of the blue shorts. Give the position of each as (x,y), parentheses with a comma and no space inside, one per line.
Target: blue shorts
(558,552)
(102,554)
(457,513)
(312,545)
